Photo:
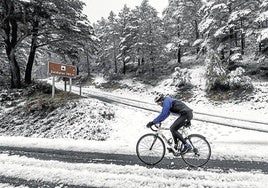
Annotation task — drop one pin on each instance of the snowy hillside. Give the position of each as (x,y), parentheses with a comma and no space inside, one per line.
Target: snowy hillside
(90,125)
(91,119)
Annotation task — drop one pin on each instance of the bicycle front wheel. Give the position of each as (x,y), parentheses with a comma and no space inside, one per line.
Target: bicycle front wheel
(200,153)
(150,149)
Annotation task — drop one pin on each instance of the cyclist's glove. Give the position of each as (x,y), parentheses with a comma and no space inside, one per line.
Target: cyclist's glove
(149,124)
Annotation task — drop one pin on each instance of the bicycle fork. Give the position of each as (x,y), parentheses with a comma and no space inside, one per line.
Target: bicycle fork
(155,138)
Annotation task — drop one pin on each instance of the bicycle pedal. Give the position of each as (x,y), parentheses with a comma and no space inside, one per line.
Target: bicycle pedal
(175,153)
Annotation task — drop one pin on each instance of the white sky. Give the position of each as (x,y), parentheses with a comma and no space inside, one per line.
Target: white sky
(95,9)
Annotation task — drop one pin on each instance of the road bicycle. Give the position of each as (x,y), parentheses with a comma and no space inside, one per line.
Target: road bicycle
(151,147)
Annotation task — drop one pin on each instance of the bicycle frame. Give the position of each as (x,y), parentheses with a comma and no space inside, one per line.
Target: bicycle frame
(159,131)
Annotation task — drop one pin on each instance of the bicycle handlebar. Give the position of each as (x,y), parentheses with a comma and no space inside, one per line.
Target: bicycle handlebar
(158,125)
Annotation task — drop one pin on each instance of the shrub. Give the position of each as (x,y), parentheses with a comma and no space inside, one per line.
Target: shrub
(220,78)
(237,79)
(181,77)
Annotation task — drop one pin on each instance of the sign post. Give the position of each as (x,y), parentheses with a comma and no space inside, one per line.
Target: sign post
(61,70)
(53,87)
(70,85)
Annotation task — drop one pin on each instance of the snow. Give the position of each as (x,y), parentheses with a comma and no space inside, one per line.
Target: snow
(128,125)
(236,15)
(100,175)
(170,47)
(5,185)
(262,17)
(263,35)
(204,25)
(197,42)
(220,31)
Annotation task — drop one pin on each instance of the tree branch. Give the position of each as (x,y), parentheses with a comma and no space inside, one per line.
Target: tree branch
(50,42)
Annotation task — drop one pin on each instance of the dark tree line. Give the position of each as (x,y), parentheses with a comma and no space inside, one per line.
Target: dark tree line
(232,29)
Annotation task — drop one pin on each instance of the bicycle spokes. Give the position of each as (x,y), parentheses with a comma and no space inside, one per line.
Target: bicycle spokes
(150,149)
(201,152)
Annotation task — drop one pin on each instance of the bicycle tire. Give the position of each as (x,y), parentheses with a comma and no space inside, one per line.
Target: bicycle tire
(200,153)
(150,149)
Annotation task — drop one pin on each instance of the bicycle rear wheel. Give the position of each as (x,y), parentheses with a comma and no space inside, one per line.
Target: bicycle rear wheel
(150,149)
(200,153)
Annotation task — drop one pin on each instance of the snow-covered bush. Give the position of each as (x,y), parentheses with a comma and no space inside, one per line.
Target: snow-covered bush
(220,78)
(178,85)
(237,79)
(181,77)
(236,57)
(216,73)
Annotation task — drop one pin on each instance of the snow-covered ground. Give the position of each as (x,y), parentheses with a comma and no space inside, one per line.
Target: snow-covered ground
(101,175)
(128,125)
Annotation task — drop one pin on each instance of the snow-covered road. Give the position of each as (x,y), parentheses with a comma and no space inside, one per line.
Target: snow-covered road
(103,175)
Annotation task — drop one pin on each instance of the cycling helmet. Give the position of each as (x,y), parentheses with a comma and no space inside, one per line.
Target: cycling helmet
(159,98)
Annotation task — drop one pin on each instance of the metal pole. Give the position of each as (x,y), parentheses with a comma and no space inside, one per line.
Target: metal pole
(65,84)
(53,87)
(80,91)
(70,85)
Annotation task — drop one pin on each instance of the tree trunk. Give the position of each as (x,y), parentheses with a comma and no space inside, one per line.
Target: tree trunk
(114,56)
(235,39)
(115,64)
(243,43)
(231,41)
(124,62)
(242,39)
(179,55)
(196,34)
(179,46)
(15,70)
(29,66)
(124,67)
(139,58)
(88,66)
(10,27)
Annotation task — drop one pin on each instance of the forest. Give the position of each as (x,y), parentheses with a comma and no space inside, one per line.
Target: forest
(229,37)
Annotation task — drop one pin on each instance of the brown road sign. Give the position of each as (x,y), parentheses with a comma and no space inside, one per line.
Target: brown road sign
(62,70)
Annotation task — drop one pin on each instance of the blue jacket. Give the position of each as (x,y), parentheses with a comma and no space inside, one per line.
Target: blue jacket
(167,105)
(171,105)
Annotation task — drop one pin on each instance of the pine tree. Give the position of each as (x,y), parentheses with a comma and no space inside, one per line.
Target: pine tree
(108,32)
(59,25)
(12,35)
(262,27)
(62,27)
(181,25)
(148,38)
(224,26)
(126,36)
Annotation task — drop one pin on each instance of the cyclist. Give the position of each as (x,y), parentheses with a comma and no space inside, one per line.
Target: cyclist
(178,107)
